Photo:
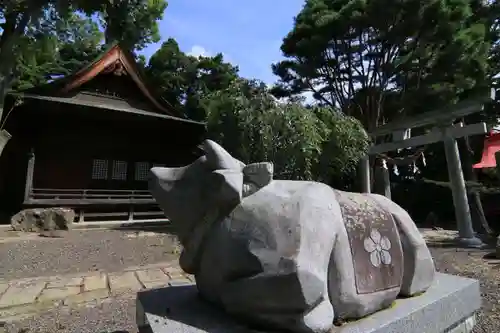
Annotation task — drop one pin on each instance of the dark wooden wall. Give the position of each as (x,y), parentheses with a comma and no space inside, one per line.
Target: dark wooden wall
(66,139)
(13,163)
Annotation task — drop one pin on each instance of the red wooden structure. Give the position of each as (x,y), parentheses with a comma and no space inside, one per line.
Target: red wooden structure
(94,134)
(491,146)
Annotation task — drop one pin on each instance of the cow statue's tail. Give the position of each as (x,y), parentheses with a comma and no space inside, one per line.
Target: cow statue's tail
(419,268)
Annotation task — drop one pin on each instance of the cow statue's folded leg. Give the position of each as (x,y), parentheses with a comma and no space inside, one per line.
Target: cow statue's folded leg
(295,301)
(288,254)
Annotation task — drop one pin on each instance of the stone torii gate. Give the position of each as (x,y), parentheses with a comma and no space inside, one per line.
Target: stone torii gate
(443,130)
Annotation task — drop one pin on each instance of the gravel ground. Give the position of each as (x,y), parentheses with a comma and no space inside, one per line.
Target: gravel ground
(476,264)
(104,250)
(114,316)
(83,251)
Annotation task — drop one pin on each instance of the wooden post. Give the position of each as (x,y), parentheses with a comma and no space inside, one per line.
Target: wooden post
(81,216)
(131,213)
(364,171)
(382,182)
(29,175)
(459,191)
(387,181)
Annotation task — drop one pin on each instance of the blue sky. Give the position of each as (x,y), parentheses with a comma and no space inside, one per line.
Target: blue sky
(248,33)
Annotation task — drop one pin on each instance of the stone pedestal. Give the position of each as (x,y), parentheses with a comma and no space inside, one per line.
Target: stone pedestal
(448,306)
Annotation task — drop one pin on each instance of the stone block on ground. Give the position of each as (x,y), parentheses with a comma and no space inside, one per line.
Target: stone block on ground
(448,306)
(22,293)
(61,282)
(124,282)
(87,296)
(95,282)
(51,294)
(25,311)
(153,278)
(46,220)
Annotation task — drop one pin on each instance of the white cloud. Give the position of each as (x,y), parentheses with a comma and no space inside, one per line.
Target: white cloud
(198,51)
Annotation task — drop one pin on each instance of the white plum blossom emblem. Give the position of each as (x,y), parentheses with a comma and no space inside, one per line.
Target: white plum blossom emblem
(378,246)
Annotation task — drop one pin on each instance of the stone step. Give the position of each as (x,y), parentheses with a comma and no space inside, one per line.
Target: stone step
(32,295)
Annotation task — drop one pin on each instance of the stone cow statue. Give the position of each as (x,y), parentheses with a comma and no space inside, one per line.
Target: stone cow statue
(293,255)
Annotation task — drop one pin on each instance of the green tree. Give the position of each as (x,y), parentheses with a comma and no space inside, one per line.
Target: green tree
(409,49)
(80,41)
(489,12)
(17,17)
(183,80)
(134,23)
(167,70)
(56,46)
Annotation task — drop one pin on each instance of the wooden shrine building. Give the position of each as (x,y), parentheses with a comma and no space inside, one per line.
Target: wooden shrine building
(88,140)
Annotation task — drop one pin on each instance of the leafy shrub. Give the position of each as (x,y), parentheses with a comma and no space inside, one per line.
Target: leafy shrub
(304,143)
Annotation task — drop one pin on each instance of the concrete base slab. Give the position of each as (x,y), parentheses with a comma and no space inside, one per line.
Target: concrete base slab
(448,306)
(472,243)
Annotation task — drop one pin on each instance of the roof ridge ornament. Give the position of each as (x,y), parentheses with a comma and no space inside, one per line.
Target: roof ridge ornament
(116,68)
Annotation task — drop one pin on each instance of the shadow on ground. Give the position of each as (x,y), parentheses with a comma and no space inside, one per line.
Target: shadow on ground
(140,330)
(164,227)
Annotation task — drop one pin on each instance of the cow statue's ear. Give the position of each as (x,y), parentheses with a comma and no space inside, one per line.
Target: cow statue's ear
(219,159)
(256,176)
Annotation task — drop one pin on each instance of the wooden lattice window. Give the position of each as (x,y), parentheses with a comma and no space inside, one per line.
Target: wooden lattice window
(141,171)
(100,169)
(119,170)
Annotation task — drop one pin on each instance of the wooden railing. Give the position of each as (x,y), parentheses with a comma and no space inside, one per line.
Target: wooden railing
(78,197)
(130,215)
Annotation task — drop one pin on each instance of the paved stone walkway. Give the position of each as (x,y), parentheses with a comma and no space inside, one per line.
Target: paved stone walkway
(23,297)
